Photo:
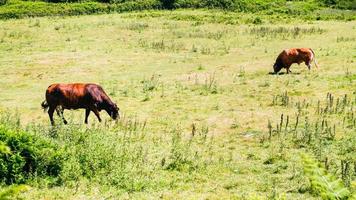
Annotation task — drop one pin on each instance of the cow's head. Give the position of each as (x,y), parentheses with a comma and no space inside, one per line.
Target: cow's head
(276,67)
(113,111)
(115,114)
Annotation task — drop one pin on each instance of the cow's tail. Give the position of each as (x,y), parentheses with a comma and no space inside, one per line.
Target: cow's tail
(314,59)
(44,105)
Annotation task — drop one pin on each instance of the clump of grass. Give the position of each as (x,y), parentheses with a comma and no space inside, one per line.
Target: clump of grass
(180,157)
(240,77)
(209,85)
(36,24)
(205,50)
(12,191)
(198,33)
(188,154)
(208,50)
(150,85)
(137,26)
(257,20)
(281,100)
(283,32)
(345,39)
(200,67)
(162,45)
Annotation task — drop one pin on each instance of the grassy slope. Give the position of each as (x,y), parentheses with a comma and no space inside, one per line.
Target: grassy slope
(120,52)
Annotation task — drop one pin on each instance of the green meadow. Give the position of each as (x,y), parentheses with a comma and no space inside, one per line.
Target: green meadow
(202,117)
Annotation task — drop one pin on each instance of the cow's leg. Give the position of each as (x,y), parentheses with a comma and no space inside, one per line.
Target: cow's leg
(288,70)
(87,112)
(64,120)
(60,113)
(287,67)
(96,112)
(308,64)
(50,114)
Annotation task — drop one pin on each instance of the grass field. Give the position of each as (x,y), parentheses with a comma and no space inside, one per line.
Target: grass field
(196,97)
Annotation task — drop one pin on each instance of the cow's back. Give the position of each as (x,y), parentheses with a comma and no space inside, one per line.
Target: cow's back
(305,53)
(70,96)
(296,55)
(95,91)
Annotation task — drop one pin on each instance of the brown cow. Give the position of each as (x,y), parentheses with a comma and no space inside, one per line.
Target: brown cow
(90,97)
(296,55)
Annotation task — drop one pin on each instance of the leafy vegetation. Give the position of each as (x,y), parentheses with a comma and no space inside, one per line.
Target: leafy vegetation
(24,155)
(342,4)
(322,183)
(12,191)
(19,9)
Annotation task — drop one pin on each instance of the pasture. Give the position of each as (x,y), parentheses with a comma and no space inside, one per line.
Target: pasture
(202,118)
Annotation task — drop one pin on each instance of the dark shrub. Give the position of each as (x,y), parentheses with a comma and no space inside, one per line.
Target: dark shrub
(168,4)
(134,5)
(341,4)
(223,4)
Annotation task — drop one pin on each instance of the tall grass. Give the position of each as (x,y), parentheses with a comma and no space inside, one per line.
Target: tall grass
(283,32)
(122,155)
(316,126)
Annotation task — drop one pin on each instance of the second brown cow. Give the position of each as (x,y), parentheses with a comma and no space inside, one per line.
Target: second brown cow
(90,97)
(295,55)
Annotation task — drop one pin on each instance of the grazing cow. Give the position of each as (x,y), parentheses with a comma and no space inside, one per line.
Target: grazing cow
(90,97)
(296,55)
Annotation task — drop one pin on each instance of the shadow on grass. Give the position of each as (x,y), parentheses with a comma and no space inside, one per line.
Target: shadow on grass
(283,73)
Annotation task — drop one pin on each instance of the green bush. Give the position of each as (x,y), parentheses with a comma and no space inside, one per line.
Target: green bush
(187,4)
(20,9)
(168,4)
(341,4)
(29,156)
(224,4)
(134,5)
(32,9)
